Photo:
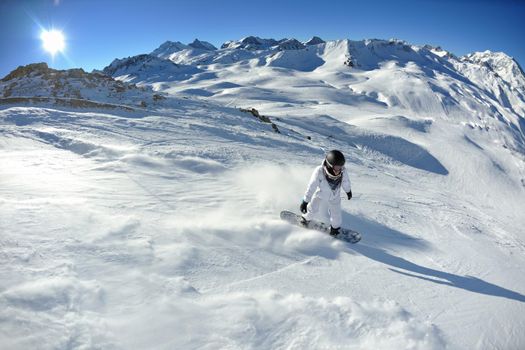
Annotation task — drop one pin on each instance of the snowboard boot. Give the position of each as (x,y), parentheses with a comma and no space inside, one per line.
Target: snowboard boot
(334,231)
(304,222)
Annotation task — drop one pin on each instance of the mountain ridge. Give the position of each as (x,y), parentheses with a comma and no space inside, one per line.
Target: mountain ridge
(475,88)
(482,90)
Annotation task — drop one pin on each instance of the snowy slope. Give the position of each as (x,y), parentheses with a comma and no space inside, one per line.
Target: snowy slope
(158,228)
(118,228)
(361,81)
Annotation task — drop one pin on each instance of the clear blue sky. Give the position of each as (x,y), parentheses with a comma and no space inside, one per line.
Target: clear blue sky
(98,31)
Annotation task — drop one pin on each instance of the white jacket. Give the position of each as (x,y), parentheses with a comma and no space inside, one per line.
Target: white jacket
(321,188)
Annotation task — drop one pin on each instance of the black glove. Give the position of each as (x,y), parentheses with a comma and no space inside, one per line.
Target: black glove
(349,194)
(303,207)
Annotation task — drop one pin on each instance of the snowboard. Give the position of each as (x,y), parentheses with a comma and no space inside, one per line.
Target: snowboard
(346,235)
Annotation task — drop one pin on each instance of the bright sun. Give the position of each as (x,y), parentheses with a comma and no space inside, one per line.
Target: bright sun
(53,41)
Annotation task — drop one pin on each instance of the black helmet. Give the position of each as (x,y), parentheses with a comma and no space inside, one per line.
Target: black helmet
(335,157)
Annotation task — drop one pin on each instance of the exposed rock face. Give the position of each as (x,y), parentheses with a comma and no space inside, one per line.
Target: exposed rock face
(37,82)
(42,69)
(147,68)
(21,71)
(202,45)
(139,61)
(262,118)
(250,43)
(256,43)
(290,44)
(314,41)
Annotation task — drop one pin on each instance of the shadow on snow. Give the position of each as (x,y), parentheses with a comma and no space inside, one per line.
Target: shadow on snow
(376,236)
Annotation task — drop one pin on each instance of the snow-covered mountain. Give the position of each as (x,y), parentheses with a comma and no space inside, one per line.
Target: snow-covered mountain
(203,45)
(168,48)
(481,90)
(148,68)
(250,43)
(315,40)
(119,227)
(256,43)
(503,65)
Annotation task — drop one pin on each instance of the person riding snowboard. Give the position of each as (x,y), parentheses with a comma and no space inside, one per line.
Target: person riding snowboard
(325,188)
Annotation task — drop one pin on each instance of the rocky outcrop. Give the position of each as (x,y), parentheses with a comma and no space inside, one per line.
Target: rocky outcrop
(314,41)
(262,118)
(256,43)
(290,44)
(122,66)
(148,68)
(38,82)
(250,43)
(202,45)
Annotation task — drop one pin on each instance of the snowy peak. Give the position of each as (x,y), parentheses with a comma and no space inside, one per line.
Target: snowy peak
(250,43)
(290,44)
(315,40)
(387,45)
(438,51)
(501,64)
(202,45)
(148,68)
(496,60)
(255,43)
(370,54)
(167,48)
(136,63)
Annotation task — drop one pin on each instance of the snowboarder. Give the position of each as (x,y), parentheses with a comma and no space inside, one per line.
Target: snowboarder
(325,188)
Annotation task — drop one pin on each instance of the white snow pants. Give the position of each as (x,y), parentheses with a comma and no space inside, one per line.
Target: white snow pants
(334,208)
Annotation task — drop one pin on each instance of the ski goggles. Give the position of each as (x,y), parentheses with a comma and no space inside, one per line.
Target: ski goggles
(334,166)
(334,176)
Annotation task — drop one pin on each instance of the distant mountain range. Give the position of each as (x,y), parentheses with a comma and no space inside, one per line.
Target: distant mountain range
(484,90)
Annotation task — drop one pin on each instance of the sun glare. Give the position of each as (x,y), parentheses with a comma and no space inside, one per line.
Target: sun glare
(53,41)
